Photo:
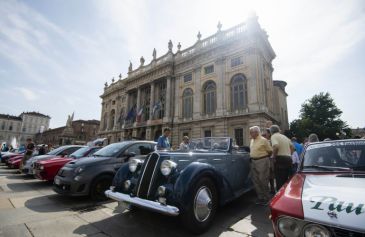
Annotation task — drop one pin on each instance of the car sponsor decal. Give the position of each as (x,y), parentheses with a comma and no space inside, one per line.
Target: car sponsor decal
(333,204)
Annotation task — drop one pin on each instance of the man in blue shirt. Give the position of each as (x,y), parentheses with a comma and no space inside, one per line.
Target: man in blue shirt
(297,146)
(163,142)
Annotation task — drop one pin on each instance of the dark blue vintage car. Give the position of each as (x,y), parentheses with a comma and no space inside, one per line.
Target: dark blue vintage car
(191,183)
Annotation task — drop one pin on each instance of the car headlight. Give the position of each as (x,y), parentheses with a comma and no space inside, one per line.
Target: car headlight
(134,164)
(167,166)
(290,227)
(41,167)
(314,230)
(78,170)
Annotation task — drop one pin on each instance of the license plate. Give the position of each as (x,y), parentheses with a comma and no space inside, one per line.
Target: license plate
(57,181)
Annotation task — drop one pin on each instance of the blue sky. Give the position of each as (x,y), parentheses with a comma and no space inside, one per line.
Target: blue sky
(56,55)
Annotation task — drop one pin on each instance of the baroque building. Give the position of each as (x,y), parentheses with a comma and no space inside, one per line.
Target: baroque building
(220,86)
(19,128)
(77,132)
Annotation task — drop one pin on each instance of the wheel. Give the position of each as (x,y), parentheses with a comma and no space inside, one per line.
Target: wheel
(202,206)
(99,186)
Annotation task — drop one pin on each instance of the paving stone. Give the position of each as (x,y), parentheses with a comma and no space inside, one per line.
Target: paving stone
(15,231)
(62,227)
(249,227)
(5,204)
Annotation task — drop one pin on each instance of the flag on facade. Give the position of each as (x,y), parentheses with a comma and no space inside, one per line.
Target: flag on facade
(139,115)
(156,107)
(131,114)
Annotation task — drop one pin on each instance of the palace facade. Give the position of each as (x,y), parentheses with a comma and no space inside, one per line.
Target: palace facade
(220,86)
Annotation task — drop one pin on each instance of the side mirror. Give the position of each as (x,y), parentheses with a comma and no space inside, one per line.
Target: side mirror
(130,154)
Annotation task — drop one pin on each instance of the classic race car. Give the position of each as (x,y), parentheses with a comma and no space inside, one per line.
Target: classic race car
(327,196)
(190,183)
(48,169)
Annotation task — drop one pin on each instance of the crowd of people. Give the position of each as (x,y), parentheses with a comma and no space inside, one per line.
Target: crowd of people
(274,159)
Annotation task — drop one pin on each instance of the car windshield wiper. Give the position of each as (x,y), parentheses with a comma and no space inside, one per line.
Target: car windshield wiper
(329,168)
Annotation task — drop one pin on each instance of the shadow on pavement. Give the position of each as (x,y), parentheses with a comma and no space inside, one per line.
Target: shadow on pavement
(57,203)
(29,186)
(139,222)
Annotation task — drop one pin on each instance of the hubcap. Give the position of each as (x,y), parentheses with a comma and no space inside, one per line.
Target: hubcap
(203,204)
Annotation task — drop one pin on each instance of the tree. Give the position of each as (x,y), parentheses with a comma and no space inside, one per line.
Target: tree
(320,115)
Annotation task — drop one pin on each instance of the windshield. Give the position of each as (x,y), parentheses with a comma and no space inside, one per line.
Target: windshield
(56,151)
(80,152)
(341,155)
(210,143)
(111,150)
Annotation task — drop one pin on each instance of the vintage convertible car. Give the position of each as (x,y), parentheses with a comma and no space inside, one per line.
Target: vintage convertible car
(327,196)
(191,184)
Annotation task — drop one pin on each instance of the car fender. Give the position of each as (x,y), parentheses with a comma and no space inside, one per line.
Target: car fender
(121,175)
(184,184)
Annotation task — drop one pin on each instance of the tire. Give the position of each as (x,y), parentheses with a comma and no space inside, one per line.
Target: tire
(195,219)
(99,186)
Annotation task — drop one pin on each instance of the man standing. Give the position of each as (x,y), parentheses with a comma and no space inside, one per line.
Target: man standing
(260,151)
(298,147)
(28,153)
(163,142)
(282,149)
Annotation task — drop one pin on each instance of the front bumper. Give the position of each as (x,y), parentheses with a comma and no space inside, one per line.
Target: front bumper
(69,187)
(151,205)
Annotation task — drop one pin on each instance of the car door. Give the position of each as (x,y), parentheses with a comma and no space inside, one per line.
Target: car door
(239,166)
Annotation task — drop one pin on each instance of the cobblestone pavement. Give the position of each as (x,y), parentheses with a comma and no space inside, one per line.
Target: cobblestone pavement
(29,207)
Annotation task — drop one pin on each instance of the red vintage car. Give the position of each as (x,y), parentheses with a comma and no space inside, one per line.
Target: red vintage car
(14,162)
(326,198)
(48,169)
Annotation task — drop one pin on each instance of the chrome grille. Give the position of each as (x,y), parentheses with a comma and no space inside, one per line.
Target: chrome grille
(149,167)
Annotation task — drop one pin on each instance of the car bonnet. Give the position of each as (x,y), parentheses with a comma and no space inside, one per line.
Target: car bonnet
(335,200)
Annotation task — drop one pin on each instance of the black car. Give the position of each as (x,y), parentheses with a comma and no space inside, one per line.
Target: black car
(93,176)
(191,184)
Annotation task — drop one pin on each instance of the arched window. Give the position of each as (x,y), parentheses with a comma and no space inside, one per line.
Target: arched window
(188,103)
(112,119)
(105,125)
(209,92)
(238,92)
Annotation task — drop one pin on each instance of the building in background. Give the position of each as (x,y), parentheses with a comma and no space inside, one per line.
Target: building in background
(18,128)
(75,132)
(220,86)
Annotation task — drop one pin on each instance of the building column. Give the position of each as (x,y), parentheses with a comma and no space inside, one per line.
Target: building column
(197,105)
(152,101)
(168,99)
(177,103)
(220,63)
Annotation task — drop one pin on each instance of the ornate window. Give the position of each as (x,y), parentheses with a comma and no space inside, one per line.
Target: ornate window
(209,69)
(161,87)
(188,77)
(188,103)
(236,61)
(238,92)
(210,100)
(238,135)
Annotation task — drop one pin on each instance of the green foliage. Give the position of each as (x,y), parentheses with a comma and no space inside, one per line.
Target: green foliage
(320,115)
